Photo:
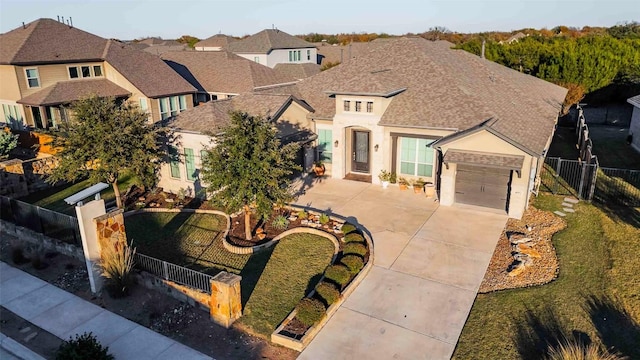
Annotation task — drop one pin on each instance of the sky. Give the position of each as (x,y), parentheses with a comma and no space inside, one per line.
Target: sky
(170,19)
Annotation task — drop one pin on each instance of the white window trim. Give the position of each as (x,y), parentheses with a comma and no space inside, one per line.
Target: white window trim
(416,162)
(69,72)
(363,106)
(79,69)
(26,76)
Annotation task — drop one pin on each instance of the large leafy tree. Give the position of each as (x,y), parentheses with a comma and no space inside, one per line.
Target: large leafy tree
(104,139)
(249,167)
(8,142)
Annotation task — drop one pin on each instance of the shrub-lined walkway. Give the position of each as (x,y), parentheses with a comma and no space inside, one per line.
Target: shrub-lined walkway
(273,280)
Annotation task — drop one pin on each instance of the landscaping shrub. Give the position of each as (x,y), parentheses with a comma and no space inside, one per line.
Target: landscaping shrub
(17,252)
(310,311)
(35,254)
(571,350)
(353,263)
(302,215)
(339,274)
(324,219)
(328,292)
(354,237)
(348,228)
(116,263)
(84,346)
(354,248)
(280,222)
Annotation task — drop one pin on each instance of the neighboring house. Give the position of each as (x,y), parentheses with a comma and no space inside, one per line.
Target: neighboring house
(514,38)
(477,130)
(221,74)
(634,126)
(340,53)
(216,42)
(297,71)
(195,132)
(272,46)
(45,65)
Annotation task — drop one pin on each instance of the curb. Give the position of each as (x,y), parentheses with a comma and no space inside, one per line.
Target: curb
(17,349)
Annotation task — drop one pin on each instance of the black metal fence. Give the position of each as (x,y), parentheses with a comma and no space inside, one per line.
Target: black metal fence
(47,222)
(173,272)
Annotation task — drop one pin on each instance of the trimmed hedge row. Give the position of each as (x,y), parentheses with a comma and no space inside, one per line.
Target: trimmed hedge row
(338,273)
(348,228)
(354,248)
(310,311)
(354,237)
(353,262)
(328,292)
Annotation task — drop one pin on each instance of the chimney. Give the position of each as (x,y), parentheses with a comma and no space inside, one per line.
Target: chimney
(482,51)
(58,18)
(70,21)
(63,19)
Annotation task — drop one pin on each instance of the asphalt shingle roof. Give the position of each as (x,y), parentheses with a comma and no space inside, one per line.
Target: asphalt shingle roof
(222,71)
(217,40)
(64,92)
(635,101)
(297,71)
(484,159)
(267,40)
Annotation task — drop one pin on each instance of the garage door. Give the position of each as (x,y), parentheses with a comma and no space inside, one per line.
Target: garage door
(482,186)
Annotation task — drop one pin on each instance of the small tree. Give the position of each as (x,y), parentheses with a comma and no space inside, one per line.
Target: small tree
(8,142)
(249,167)
(105,139)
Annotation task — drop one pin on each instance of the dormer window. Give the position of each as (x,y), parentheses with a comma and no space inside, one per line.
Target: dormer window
(73,73)
(358,106)
(347,105)
(84,71)
(369,106)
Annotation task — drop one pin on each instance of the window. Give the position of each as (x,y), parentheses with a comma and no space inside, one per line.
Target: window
(12,116)
(164,109)
(174,162)
(86,71)
(416,158)
(294,55)
(97,70)
(143,105)
(183,102)
(256,59)
(369,106)
(73,72)
(203,155)
(190,164)
(33,80)
(172,106)
(347,105)
(308,54)
(358,106)
(325,141)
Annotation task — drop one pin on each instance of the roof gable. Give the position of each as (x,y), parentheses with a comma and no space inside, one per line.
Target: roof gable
(267,40)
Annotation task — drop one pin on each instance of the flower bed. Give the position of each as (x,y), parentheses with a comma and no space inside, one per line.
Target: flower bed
(339,280)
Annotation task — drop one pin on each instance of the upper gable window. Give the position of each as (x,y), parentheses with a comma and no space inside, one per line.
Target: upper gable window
(347,105)
(358,106)
(369,106)
(308,54)
(294,55)
(73,72)
(84,71)
(97,70)
(33,79)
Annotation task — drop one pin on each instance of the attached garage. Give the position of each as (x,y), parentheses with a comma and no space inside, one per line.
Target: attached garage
(483,179)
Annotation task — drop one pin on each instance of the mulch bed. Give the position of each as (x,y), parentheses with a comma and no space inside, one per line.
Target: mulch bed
(543,225)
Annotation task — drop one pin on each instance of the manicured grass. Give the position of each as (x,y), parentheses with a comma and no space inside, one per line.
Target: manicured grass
(273,280)
(53,198)
(594,254)
(610,145)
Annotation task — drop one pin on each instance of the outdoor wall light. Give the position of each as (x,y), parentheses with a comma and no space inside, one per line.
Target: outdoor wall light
(335,143)
(375,148)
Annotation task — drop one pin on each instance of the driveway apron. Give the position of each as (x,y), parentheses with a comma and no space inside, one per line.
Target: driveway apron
(429,262)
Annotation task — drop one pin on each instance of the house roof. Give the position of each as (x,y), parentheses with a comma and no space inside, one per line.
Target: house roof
(64,92)
(267,40)
(46,41)
(297,71)
(635,101)
(340,53)
(222,71)
(217,40)
(466,157)
(213,116)
(445,89)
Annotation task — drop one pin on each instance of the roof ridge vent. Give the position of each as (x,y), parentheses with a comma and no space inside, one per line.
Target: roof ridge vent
(380,71)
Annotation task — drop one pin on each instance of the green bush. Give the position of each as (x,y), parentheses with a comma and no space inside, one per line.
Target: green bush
(280,222)
(328,292)
(324,219)
(348,228)
(354,248)
(353,262)
(116,265)
(310,311)
(302,215)
(84,346)
(354,237)
(338,273)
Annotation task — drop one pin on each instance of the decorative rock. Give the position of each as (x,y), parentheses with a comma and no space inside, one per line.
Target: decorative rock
(529,251)
(569,210)
(169,200)
(567,205)
(259,230)
(304,222)
(516,269)
(261,236)
(292,218)
(519,239)
(560,213)
(521,257)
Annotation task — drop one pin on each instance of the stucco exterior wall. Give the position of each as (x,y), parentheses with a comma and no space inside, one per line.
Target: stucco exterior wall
(294,119)
(9,88)
(188,140)
(487,142)
(634,128)
(262,58)
(281,56)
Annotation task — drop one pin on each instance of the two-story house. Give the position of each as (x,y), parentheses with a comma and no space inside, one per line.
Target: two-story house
(45,65)
(272,46)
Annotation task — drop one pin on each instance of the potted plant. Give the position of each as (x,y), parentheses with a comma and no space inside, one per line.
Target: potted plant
(385,177)
(430,190)
(418,185)
(403,183)
(318,168)
(394,178)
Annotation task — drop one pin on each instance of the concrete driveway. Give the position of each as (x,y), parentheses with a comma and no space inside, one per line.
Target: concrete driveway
(429,262)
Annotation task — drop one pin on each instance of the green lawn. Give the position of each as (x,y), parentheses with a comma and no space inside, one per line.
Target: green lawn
(594,254)
(273,280)
(53,198)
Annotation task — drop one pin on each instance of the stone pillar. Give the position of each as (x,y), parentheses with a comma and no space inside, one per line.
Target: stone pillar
(86,213)
(226,305)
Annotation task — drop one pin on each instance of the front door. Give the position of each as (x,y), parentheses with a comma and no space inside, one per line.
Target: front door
(360,155)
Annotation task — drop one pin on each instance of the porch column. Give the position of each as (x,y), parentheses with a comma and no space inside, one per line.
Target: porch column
(394,152)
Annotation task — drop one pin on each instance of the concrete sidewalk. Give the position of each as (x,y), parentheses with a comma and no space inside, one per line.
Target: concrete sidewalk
(65,315)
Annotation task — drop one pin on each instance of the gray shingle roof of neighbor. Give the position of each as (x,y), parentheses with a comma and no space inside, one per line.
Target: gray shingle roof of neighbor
(222,71)
(64,92)
(484,159)
(46,41)
(297,71)
(267,40)
(444,89)
(635,101)
(213,116)
(217,40)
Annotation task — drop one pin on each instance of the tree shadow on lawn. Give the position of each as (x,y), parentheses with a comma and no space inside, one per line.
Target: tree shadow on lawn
(252,272)
(617,329)
(153,238)
(626,214)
